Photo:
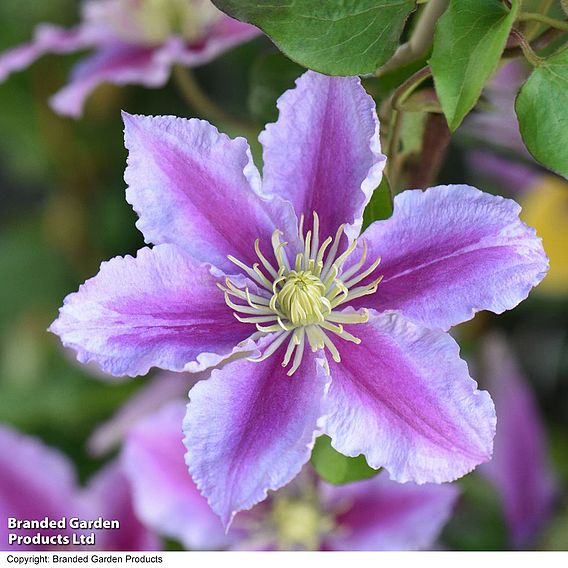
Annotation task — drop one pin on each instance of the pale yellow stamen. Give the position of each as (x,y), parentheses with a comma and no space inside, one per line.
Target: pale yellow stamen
(356,267)
(243,309)
(333,250)
(299,524)
(300,304)
(349,317)
(298,356)
(278,341)
(302,298)
(259,319)
(243,294)
(263,259)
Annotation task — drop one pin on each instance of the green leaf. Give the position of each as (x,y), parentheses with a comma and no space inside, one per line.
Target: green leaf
(468,43)
(542,110)
(336,468)
(380,206)
(348,37)
(271,75)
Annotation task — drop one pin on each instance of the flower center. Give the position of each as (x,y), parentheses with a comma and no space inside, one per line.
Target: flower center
(299,524)
(152,21)
(302,298)
(303,302)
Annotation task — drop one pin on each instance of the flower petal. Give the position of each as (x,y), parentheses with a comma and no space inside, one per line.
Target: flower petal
(405,400)
(117,63)
(225,34)
(35,481)
(197,188)
(160,309)
(47,39)
(451,251)
(109,496)
(165,496)
(162,389)
(250,428)
(520,469)
(324,152)
(379,514)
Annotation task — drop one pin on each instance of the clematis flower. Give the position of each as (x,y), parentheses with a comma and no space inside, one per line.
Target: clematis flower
(37,481)
(134,41)
(520,469)
(317,344)
(377,514)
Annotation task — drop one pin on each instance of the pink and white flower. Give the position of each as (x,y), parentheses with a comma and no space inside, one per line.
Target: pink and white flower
(327,331)
(134,41)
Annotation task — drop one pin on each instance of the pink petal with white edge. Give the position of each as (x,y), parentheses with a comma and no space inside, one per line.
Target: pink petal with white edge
(165,496)
(117,63)
(405,400)
(250,428)
(48,39)
(451,251)
(225,34)
(379,514)
(161,309)
(324,152)
(199,189)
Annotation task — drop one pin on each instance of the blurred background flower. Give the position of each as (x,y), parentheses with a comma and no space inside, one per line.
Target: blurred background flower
(308,514)
(39,482)
(499,157)
(520,470)
(134,41)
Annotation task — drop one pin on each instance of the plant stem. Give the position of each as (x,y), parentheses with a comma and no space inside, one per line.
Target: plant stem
(539,43)
(409,86)
(435,144)
(392,150)
(421,38)
(526,48)
(546,20)
(397,99)
(194,95)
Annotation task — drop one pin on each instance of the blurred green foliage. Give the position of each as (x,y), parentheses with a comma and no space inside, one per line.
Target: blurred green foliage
(336,468)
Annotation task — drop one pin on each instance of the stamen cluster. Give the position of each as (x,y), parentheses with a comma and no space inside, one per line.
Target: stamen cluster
(301,301)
